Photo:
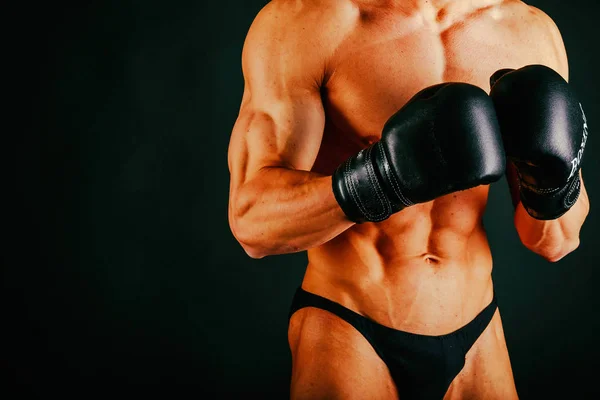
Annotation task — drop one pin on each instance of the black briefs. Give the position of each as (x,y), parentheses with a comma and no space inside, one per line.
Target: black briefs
(422,366)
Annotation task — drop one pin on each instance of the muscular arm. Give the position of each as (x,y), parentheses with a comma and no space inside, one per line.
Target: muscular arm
(552,239)
(276,205)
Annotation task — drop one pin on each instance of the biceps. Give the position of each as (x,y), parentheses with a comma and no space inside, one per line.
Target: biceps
(285,134)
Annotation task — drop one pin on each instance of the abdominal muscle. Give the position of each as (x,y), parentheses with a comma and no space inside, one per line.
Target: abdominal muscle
(425,270)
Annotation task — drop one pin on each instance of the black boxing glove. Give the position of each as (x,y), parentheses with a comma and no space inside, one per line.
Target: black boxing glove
(445,139)
(544,130)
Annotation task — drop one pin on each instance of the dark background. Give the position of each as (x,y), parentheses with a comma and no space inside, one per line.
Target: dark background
(120,266)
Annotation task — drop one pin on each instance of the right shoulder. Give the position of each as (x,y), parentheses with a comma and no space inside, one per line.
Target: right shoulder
(295,17)
(301,35)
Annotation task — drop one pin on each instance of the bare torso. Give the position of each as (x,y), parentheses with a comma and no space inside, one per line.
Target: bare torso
(342,68)
(428,268)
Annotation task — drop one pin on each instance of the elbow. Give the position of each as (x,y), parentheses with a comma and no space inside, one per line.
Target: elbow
(247,239)
(257,237)
(250,249)
(256,243)
(253,252)
(243,229)
(557,252)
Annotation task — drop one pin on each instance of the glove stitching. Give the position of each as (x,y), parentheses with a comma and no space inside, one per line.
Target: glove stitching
(573,188)
(355,194)
(392,178)
(386,211)
(523,184)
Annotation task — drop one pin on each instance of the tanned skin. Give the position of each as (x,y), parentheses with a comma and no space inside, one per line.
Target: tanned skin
(321,79)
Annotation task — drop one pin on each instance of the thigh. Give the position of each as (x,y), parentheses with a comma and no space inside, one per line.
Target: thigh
(487,373)
(332,360)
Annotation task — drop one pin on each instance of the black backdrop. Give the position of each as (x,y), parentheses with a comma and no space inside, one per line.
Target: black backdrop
(120,266)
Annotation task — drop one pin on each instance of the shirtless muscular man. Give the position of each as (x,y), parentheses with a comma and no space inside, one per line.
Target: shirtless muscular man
(368,134)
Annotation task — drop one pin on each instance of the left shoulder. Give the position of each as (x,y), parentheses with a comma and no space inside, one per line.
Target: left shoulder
(546,36)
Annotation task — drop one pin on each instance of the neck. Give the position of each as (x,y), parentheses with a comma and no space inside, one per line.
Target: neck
(408,3)
(422,4)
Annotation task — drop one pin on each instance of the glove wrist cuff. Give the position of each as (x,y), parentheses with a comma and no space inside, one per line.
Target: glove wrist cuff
(545,204)
(358,190)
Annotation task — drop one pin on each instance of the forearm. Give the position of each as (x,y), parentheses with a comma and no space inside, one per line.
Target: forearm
(284,211)
(553,239)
